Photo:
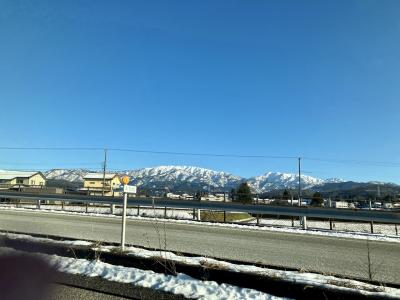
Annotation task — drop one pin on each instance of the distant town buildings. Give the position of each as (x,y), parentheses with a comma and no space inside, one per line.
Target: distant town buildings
(214,197)
(177,196)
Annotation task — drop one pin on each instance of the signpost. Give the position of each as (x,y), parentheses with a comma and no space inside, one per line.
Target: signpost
(127,190)
(130,189)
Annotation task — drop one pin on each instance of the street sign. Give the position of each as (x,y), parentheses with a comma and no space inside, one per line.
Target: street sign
(125,179)
(130,189)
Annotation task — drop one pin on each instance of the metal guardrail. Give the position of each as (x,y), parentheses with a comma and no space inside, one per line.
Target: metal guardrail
(292,211)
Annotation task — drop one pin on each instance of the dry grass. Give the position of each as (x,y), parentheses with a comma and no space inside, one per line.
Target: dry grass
(218,216)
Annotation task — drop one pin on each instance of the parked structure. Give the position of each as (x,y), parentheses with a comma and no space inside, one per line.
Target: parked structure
(177,196)
(10,179)
(93,184)
(211,197)
(340,204)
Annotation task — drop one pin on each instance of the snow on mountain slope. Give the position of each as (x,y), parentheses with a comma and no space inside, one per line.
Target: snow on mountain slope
(66,174)
(183,175)
(277,180)
(196,178)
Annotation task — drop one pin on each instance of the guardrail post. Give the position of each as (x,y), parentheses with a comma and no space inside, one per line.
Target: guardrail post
(198,215)
(395,228)
(165,212)
(372,226)
(330,224)
(194,214)
(138,210)
(304,222)
(112,209)
(38,204)
(87,207)
(62,205)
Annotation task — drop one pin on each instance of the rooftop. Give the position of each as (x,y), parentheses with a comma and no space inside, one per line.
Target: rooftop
(8,175)
(99,176)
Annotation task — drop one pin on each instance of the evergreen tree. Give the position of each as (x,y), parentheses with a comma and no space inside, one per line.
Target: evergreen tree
(198,195)
(244,194)
(317,199)
(232,194)
(286,195)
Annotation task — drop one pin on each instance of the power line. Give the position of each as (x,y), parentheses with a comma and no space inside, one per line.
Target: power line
(203,154)
(55,148)
(150,152)
(226,155)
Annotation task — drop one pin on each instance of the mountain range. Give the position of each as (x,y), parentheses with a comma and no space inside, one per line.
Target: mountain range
(186,178)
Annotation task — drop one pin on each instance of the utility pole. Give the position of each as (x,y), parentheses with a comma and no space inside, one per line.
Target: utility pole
(303,220)
(299,182)
(104,171)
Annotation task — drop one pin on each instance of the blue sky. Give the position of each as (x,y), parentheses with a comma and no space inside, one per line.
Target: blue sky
(292,78)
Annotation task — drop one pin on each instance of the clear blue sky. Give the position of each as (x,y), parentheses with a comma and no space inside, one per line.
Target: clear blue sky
(308,78)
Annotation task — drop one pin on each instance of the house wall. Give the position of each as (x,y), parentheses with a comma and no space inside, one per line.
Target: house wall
(116,182)
(36,180)
(95,183)
(98,183)
(110,185)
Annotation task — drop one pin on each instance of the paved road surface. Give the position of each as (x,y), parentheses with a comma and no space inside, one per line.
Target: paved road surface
(323,254)
(63,292)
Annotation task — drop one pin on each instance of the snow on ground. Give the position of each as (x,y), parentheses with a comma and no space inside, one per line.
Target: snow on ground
(301,277)
(363,227)
(383,232)
(180,284)
(144,212)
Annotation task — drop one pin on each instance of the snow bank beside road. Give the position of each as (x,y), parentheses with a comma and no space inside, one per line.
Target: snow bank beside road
(307,278)
(180,284)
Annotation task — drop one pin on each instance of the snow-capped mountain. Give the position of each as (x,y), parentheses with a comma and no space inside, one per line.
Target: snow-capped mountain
(67,174)
(196,178)
(273,181)
(183,177)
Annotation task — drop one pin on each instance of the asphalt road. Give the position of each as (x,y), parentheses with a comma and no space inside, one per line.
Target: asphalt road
(329,255)
(63,292)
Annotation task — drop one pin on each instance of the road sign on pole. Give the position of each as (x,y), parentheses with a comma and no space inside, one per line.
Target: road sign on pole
(125,180)
(124,222)
(130,189)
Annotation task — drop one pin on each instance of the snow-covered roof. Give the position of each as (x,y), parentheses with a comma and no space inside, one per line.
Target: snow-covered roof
(99,176)
(8,175)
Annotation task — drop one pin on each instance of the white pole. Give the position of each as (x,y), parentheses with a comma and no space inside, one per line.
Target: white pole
(124,222)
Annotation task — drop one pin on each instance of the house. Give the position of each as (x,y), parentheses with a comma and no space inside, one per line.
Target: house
(9,179)
(93,184)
